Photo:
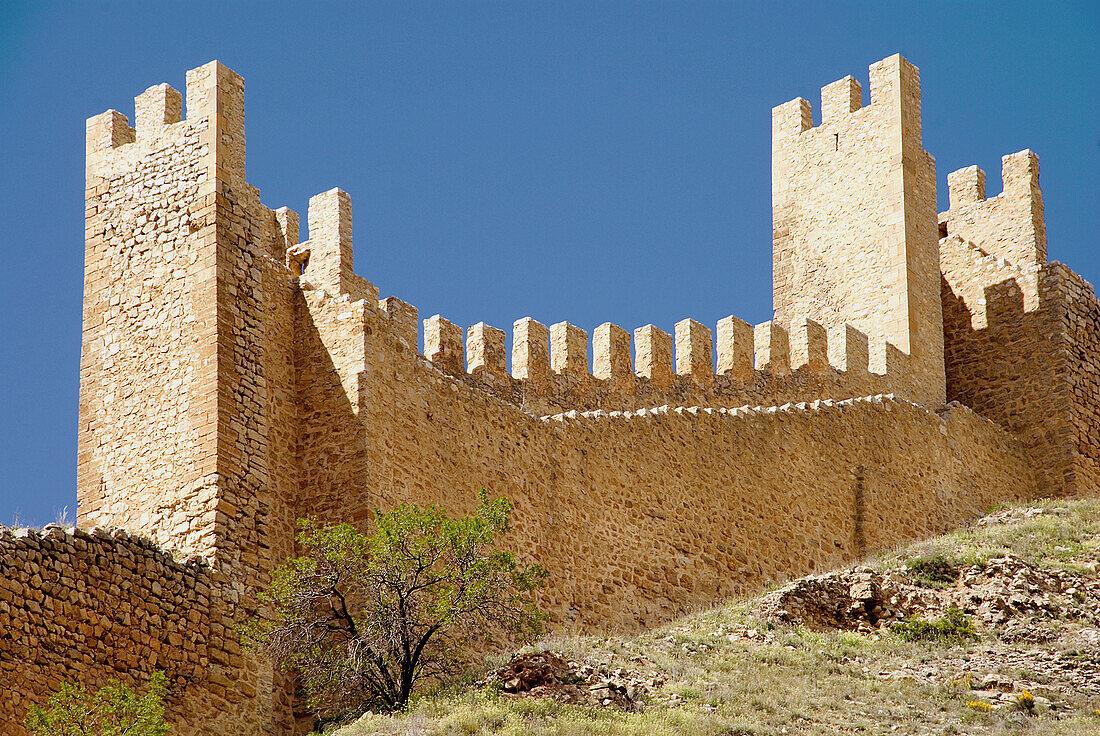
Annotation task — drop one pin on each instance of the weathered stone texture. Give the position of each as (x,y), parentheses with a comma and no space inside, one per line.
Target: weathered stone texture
(187,376)
(641,515)
(1009,226)
(1021,335)
(86,606)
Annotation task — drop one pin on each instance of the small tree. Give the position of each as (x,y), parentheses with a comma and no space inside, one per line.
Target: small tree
(114,710)
(363,619)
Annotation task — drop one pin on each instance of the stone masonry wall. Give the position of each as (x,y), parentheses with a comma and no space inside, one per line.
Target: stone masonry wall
(1020,334)
(761,365)
(1081,325)
(188,414)
(1011,225)
(148,311)
(639,515)
(1006,361)
(85,607)
(234,378)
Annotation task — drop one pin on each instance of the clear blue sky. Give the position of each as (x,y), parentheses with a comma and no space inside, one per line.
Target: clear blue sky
(569,161)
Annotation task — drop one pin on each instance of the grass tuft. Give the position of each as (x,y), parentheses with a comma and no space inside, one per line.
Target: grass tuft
(952,628)
(933,572)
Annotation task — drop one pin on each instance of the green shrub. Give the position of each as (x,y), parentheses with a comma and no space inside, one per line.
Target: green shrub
(933,572)
(953,627)
(113,710)
(362,619)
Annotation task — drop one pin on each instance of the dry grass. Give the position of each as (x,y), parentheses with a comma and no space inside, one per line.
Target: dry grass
(787,680)
(1065,536)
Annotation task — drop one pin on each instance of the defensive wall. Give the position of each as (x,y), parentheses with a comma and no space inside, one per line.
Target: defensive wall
(234,378)
(1021,334)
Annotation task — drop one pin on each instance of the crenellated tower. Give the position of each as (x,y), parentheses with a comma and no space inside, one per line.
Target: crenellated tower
(187,418)
(854,224)
(1021,334)
(185,291)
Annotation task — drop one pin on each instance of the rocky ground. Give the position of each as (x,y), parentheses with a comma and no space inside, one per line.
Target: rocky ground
(1042,624)
(993,629)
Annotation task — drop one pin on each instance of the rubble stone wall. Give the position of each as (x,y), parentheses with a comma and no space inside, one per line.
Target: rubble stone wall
(1020,346)
(148,312)
(1082,329)
(85,607)
(187,429)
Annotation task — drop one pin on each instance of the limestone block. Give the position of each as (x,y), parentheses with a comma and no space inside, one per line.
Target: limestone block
(611,352)
(966,186)
(840,98)
(485,350)
(443,343)
(155,108)
(772,350)
(848,349)
(530,350)
(330,259)
(694,350)
(735,348)
(403,319)
(568,349)
(809,346)
(653,354)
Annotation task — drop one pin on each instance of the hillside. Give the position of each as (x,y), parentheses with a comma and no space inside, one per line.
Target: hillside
(994,628)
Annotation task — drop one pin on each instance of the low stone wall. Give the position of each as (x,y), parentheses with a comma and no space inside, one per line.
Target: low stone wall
(85,607)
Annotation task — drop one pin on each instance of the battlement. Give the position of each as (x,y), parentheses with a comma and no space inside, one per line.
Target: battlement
(539,353)
(895,91)
(1010,225)
(539,367)
(214,102)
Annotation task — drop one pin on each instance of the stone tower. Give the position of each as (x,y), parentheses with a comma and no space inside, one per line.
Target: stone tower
(854,224)
(179,386)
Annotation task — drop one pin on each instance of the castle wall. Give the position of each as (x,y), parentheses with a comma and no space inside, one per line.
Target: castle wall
(1081,325)
(1007,363)
(85,607)
(1020,334)
(766,365)
(149,310)
(854,231)
(641,516)
(188,431)
(1032,371)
